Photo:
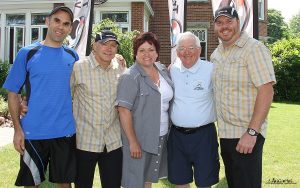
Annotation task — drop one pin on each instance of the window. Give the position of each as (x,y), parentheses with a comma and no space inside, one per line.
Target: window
(38,33)
(121,18)
(38,27)
(38,19)
(13,19)
(261,9)
(202,35)
(15,40)
(116,17)
(14,35)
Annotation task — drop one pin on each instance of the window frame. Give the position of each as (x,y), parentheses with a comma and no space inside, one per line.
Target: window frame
(261,9)
(122,25)
(199,30)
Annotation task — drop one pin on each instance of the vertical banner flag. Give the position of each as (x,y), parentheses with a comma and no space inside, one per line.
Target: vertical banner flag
(244,9)
(176,15)
(79,34)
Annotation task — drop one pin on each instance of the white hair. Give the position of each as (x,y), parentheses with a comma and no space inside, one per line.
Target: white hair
(187,34)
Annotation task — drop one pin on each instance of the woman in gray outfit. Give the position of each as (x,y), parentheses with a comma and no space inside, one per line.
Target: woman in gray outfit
(143,96)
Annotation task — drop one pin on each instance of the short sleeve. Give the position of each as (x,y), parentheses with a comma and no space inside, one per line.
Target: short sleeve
(127,91)
(260,65)
(17,74)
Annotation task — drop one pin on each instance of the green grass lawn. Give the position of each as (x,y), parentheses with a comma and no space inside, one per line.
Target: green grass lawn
(281,160)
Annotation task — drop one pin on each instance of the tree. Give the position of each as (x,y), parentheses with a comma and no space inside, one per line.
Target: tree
(286,58)
(277,28)
(294,25)
(125,39)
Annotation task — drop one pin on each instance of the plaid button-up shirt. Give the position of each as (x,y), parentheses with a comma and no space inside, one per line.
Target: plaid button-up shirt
(94,93)
(239,71)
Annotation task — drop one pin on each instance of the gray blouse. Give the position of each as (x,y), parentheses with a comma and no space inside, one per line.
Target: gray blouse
(137,92)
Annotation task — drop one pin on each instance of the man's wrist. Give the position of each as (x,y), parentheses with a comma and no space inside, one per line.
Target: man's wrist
(252,132)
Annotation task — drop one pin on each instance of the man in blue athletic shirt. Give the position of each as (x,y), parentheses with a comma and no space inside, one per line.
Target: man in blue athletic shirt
(46,134)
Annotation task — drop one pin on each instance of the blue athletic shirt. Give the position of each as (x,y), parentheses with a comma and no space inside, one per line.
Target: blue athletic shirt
(50,103)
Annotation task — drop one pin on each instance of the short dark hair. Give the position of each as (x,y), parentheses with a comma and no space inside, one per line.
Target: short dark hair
(149,37)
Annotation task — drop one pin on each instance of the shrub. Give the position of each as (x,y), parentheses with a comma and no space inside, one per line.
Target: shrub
(286,58)
(4,69)
(3,107)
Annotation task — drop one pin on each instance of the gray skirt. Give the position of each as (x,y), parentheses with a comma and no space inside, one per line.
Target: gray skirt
(150,168)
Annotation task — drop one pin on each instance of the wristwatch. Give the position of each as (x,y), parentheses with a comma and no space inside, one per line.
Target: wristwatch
(252,132)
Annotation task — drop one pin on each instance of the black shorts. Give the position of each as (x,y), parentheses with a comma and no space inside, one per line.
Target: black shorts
(59,153)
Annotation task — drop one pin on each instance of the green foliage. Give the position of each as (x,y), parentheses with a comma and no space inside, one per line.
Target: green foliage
(286,58)
(277,28)
(4,69)
(125,39)
(280,156)
(294,25)
(3,107)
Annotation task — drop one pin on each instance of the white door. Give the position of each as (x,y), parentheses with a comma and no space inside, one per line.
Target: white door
(15,40)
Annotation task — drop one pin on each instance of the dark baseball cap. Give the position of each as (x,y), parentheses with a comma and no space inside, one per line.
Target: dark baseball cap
(227,11)
(62,8)
(105,36)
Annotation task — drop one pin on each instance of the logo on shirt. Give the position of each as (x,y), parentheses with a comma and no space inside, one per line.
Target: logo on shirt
(198,85)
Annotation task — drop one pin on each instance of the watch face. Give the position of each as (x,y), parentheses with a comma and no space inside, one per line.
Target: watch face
(252,132)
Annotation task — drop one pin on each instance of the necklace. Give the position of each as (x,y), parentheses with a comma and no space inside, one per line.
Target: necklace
(155,77)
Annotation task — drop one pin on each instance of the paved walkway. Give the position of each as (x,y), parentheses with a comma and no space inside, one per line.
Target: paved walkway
(6,135)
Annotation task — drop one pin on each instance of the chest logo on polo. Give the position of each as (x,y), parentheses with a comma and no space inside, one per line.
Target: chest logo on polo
(197,85)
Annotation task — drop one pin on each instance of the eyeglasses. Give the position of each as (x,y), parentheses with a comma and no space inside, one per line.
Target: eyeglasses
(190,48)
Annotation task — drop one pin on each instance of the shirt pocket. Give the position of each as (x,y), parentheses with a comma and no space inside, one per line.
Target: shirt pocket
(234,70)
(142,95)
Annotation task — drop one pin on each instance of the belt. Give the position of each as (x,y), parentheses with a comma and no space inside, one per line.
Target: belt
(190,130)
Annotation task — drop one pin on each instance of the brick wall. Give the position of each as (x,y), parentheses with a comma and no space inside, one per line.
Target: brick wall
(202,12)
(263,24)
(137,16)
(159,24)
(197,12)
(263,31)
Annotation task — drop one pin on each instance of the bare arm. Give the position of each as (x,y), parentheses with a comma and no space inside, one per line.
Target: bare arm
(14,109)
(263,102)
(261,109)
(126,123)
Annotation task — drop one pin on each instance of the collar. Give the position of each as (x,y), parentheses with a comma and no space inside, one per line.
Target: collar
(193,69)
(158,65)
(240,42)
